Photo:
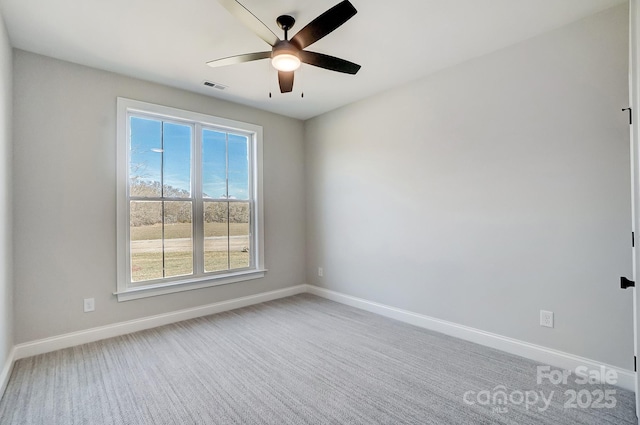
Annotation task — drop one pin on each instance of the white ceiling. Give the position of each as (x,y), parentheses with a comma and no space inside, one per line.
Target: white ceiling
(169,41)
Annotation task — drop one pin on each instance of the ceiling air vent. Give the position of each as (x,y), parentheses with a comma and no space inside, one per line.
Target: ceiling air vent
(215,85)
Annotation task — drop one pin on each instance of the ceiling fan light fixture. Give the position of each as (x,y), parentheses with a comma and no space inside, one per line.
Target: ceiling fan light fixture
(286,62)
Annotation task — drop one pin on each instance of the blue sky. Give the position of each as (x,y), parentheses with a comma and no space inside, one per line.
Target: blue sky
(149,145)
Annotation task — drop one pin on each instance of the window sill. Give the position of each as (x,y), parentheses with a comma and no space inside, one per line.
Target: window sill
(187,285)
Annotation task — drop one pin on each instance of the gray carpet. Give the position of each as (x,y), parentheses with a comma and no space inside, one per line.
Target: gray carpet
(299,360)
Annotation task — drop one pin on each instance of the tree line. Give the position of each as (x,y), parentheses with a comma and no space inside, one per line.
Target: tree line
(147,213)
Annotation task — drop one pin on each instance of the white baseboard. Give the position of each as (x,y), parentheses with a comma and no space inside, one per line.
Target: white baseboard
(6,370)
(72,339)
(538,353)
(544,355)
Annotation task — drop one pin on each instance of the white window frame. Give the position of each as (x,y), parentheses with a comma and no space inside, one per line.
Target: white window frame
(125,290)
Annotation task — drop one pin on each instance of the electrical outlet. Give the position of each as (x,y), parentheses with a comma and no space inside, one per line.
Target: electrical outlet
(89,304)
(546,318)
(320,272)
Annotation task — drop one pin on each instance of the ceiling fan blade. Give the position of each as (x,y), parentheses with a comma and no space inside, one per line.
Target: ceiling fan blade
(286,81)
(329,62)
(250,21)
(232,60)
(324,24)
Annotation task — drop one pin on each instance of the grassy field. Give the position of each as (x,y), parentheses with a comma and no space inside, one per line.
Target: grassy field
(148,265)
(183,230)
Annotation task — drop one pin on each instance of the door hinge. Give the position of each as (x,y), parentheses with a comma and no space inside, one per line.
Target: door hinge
(635,364)
(633,239)
(626,283)
(630,114)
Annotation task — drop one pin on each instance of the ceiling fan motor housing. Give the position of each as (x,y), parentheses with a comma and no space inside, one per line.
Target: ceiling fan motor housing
(284,47)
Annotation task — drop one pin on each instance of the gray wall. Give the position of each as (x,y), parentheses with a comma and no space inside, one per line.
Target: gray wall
(487,192)
(65,194)
(6,260)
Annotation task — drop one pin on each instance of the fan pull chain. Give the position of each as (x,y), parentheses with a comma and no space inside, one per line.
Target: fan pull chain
(300,82)
(271,76)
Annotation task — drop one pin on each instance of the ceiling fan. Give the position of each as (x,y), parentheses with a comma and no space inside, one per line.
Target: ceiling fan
(287,55)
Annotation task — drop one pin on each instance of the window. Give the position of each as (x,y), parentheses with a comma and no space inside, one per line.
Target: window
(189,211)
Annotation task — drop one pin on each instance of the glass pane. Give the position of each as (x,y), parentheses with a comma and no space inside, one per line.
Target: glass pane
(146,240)
(216,236)
(145,157)
(239,244)
(177,160)
(214,164)
(238,167)
(178,238)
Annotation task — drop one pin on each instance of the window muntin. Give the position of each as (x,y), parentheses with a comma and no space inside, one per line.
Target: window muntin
(192,201)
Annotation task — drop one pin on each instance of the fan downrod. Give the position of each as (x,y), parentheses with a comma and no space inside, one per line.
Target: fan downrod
(285,22)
